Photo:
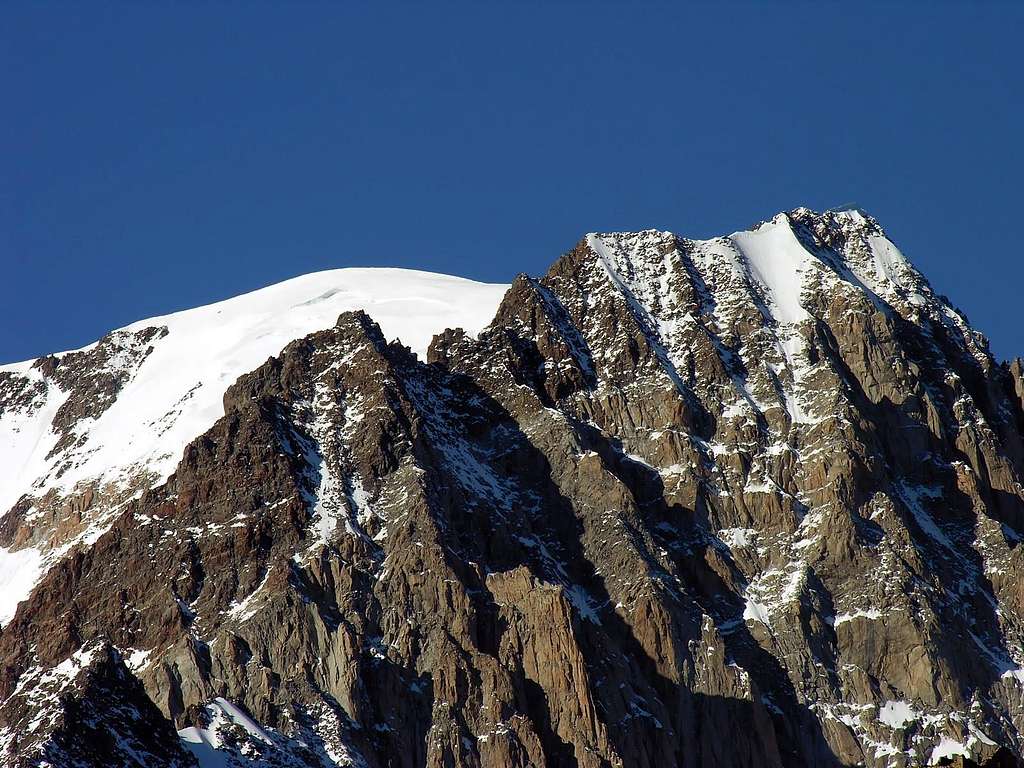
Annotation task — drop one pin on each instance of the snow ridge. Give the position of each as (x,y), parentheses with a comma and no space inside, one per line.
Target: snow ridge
(175,392)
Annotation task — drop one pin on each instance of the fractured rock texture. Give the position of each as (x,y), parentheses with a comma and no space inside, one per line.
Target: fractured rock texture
(751,501)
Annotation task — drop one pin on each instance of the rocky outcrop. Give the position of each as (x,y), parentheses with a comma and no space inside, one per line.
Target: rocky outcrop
(87,710)
(748,501)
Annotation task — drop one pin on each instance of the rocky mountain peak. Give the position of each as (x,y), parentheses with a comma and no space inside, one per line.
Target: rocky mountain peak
(599,517)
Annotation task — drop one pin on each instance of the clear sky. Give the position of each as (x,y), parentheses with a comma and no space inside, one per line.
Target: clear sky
(154,158)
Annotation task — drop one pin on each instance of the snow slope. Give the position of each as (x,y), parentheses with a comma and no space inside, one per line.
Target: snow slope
(777,261)
(175,394)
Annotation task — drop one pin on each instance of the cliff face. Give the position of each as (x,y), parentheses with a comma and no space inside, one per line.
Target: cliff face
(752,501)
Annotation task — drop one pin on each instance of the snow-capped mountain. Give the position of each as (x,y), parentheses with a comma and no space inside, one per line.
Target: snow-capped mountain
(114,417)
(748,501)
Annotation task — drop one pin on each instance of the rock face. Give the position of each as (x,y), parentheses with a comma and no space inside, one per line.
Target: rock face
(751,501)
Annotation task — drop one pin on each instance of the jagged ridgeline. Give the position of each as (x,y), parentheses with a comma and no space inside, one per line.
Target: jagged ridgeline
(750,501)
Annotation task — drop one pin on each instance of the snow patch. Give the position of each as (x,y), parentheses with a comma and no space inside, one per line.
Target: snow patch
(756,611)
(737,537)
(870,613)
(137,660)
(946,747)
(206,744)
(20,570)
(242,611)
(896,714)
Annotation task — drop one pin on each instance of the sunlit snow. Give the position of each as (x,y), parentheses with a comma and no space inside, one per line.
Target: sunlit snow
(19,571)
(177,392)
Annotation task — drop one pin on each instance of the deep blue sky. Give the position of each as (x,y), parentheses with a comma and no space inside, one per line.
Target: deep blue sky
(156,158)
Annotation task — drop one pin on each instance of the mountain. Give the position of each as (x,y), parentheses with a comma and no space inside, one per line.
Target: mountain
(114,417)
(748,501)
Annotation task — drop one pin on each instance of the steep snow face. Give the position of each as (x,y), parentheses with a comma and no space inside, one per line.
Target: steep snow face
(176,392)
(777,262)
